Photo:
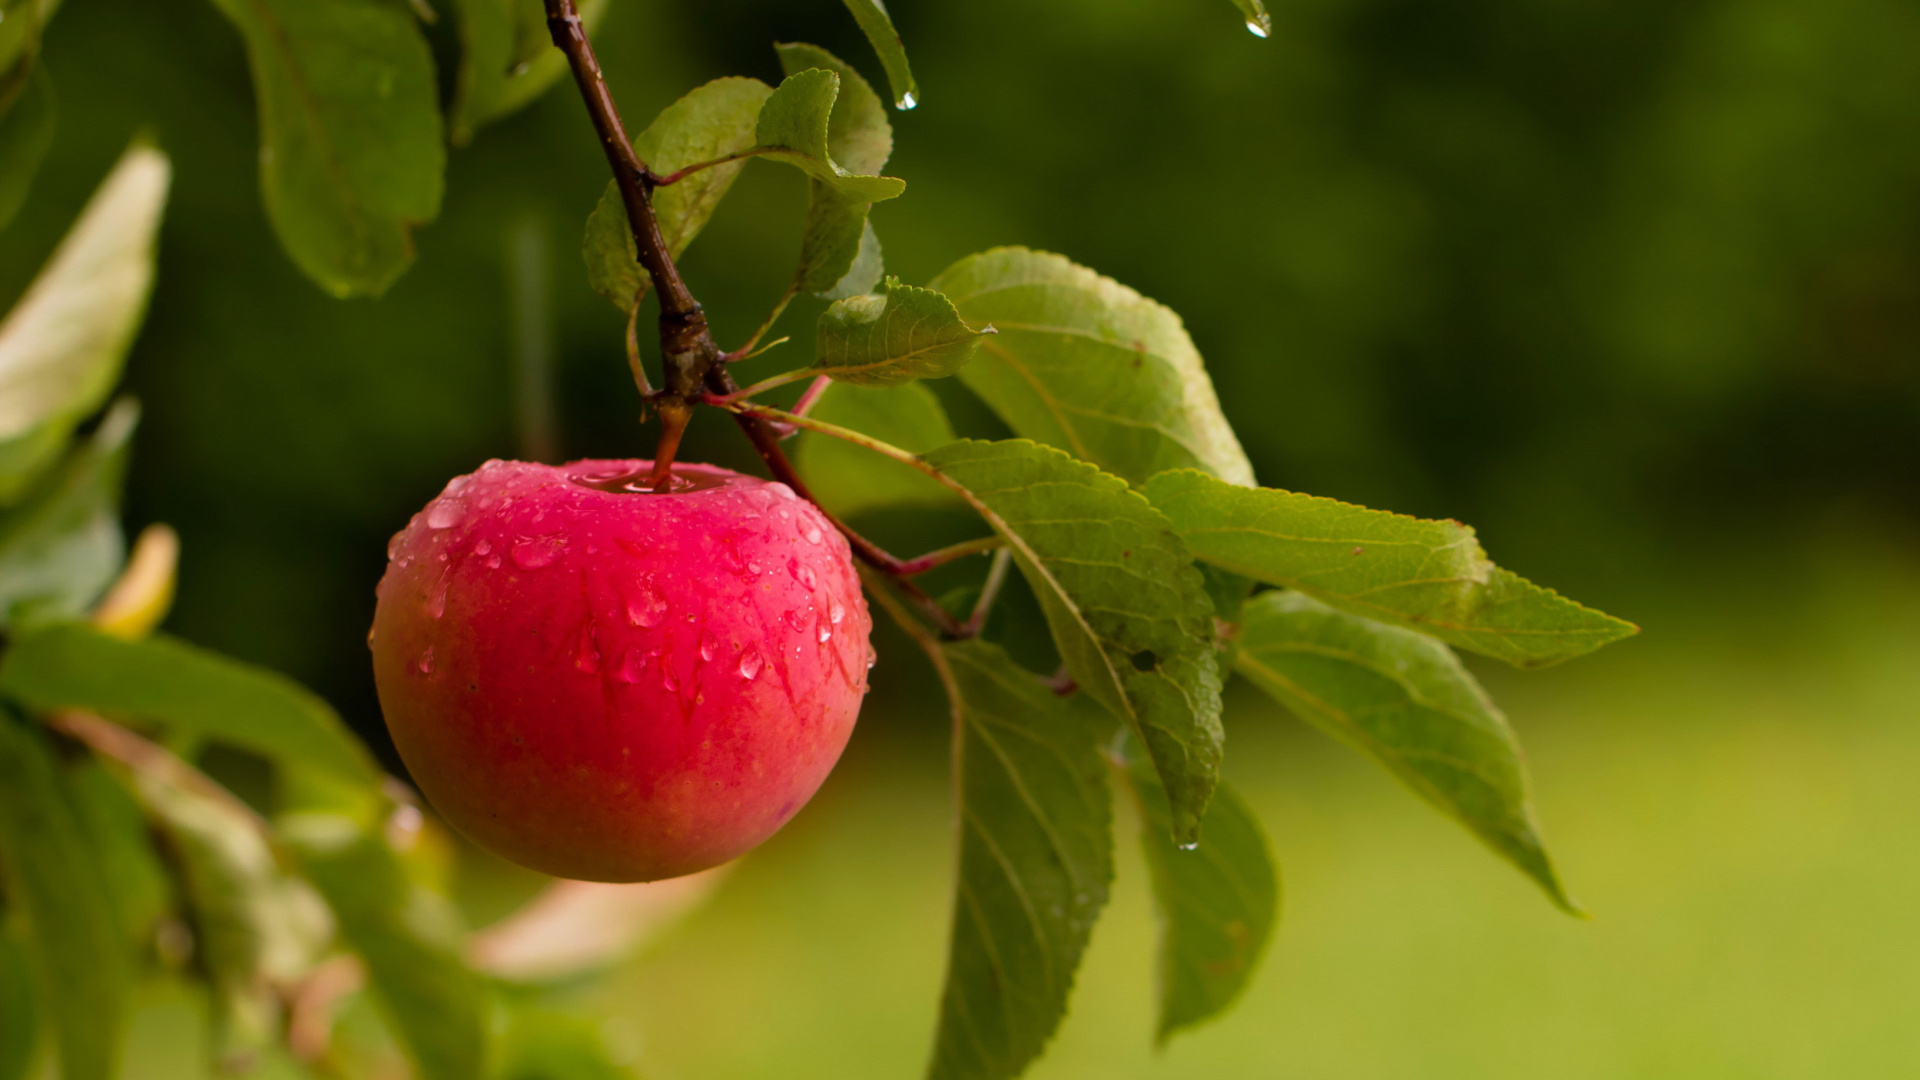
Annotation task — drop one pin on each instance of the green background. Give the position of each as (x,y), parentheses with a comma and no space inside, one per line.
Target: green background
(1633,287)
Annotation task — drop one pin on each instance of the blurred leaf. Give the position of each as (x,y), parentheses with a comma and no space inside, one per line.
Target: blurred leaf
(507,59)
(710,122)
(1088,365)
(26,131)
(256,927)
(859,136)
(895,337)
(410,938)
(142,594)
(1227,590)
(875,23)
(1127,609)
(1259,23)
(192,693)
(19,1018)
(62,545)
(117,835)
(848,479)
(799,120)
(80,958)
(868,267)
(62,345)
(542,1044)
(1036,857)
(1430,576)
(1217,903)
(351,151)
(1405,701)
(21,22)
(837,258)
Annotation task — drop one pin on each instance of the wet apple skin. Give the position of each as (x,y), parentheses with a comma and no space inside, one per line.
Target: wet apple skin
(614,686)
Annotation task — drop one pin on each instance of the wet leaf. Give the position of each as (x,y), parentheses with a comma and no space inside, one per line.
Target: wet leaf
(1128,610)
(1036,857)
(507,59)
(1259,23)
(896,336)
(1430,576)
(1086,364)
(351,148)
(1218,903)
(848,479)
(710,122)
(878,26)
(1403,700)
(60,548)
(810,122)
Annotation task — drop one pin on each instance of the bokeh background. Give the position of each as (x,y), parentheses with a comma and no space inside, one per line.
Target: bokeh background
(1633,286)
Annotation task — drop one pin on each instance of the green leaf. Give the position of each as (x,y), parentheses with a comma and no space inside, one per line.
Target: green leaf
(21,22)
(848,479)
(542,1044)
(80,958)
(1217,903)
(710,122)
(192,693)
(1088,365)
(117,834)
(351,150)
(507,59)
(1430,576)
(1259,23)
(19,1017)
(859,135)
(26,132)
(410,938)
(1036,857)
(1405,701)
(62,346)
(878,26)
(899,335)
(60,548)
(809,125)
(1127,609)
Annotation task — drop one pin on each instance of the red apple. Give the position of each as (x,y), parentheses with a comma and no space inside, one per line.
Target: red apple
(600,682)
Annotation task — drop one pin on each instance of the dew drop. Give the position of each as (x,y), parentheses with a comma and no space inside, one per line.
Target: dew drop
(802,574)
(666,677)
(783,491)
(1260,26)
(750,663)
(811,533)
(493,562)
(484,547)
(456,485)
(708,646)
(447,512)
(824,633)
(646,610)
(907,100)
(393,545)
(872,657)
(534,554)
(793,619)
(631,666)
(1190,845)
(425,664)
(837,612)
(437,599)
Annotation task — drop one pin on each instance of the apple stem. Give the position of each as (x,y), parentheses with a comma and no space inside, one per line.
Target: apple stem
(674,415)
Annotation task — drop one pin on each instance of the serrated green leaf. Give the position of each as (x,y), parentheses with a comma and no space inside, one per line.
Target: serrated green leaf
(351,148)
(62,346)
(896,336)
(507,59)
(1128,611)
(60,548)
(76,949)
(19,1014)
(878,26)
(840,253)
(848,479)
(410,938)
(1430,576)
(1217,903)
(859,135)
(1088,365)
(26,132)
(1036,858)
(710,122)
(1405,701)
(1259,23)
(192,693)
(868,267)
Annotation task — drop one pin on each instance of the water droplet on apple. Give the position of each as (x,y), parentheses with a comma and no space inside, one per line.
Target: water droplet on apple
(750,663)
(811,532)
(837,612)
(802,574)
(647,610)
(872,657)
(437,599)
(793,619)
(536,553)
(666,677)
(783,491)
(446,512)
(393,545)
(708,646)
(824,633)
(484,547)
(493,563)
(631,666)
(425,664)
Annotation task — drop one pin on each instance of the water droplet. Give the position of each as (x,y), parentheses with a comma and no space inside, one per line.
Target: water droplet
(369,637)
(872,658)
(750,663)
(437,599)
(493,563)
(793,619)
(824,633)
(802,574)
(907,100)
(811,533)
(708,646)
(393,545)
(631,667)
(539,552)
(484,547)
(783,491)
(647,610)
(446,513)
(1190,845)
(837,612)
(1260,27)
(666,677)
(456,485)
(425,664)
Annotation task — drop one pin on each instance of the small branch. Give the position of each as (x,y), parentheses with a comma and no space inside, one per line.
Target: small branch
(633,353)
(808,399)
(764,385)
(738,155)
(768,347)
(989,592)
(915,567)
(766,324)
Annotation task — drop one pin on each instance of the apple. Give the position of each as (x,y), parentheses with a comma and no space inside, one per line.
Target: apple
(602,682)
